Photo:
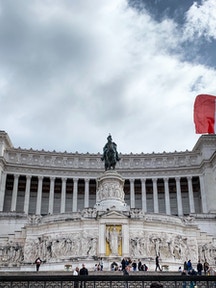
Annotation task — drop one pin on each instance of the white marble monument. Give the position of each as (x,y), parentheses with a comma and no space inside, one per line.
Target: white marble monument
(64,208)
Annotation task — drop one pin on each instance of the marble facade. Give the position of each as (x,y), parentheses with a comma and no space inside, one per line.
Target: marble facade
(152,204)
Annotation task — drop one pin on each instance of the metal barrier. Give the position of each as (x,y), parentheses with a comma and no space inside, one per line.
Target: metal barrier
(37,280)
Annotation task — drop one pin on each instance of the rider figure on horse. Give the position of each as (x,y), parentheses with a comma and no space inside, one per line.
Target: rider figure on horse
(110,154)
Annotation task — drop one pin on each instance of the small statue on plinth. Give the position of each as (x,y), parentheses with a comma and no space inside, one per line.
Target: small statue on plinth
(110,154)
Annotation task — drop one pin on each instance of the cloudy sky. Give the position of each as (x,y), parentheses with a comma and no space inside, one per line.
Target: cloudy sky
(71,72)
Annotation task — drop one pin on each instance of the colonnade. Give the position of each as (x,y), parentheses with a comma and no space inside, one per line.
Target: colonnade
(74,194)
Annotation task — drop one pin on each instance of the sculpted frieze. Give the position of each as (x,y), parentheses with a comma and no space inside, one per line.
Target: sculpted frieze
(77,160)
(110,190)
(52,248)
(207,251)
(168,245)
(11,253)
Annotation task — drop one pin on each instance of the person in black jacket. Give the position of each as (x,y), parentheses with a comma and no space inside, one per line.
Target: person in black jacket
(123,263)
(83,271)
(199,268)
(38,262)
(139,265)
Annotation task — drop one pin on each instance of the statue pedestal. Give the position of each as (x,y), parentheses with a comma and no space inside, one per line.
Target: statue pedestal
(110,192)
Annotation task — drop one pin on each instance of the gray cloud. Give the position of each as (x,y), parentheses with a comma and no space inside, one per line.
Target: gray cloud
(73,71)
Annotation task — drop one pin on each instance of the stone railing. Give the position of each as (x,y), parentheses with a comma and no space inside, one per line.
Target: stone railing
(67,280)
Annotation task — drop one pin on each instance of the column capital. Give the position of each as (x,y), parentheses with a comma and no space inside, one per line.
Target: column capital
(28,177)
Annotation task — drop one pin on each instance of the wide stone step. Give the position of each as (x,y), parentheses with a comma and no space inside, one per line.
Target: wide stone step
(90,273)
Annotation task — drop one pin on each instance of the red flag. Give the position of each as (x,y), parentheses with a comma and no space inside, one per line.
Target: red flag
(204,114)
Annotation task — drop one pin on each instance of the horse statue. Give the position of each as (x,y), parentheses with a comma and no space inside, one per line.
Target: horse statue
(110,154)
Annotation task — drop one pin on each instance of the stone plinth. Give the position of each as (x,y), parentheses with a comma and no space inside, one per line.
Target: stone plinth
(110,192)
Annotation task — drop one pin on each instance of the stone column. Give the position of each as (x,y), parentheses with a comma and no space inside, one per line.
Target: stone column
(51,195)
(167,196)
(75,192)
(86,201)
(2,190)
(63,195)
(102,240)
(155,195)
(179,198)
(143,188)
(125,241)
(190,192)
(14,194)
(203,195)
(27,194)
(132,194)
(39,195)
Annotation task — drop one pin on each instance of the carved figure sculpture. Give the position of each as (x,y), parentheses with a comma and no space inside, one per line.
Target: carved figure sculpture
(113,238)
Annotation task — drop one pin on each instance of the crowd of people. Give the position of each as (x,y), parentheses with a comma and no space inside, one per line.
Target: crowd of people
(126,262)
(189,269)
(127,266)
(133,265)
(199,268)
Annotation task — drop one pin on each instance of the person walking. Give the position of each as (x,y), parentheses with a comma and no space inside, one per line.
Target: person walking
(38,262)
(157,263)
(101,264)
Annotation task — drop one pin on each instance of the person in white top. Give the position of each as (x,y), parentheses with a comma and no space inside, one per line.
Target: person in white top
(76,273)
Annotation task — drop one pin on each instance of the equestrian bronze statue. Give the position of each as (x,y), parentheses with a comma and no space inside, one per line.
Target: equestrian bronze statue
(110,154)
